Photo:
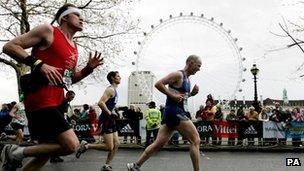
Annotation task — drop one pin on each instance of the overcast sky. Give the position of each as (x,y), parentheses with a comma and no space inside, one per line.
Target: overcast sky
(251,21)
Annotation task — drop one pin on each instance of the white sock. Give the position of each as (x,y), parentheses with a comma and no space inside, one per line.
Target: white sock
(18,154)
(87,146)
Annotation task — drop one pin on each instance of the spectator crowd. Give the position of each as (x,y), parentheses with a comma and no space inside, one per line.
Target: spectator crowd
(13,121)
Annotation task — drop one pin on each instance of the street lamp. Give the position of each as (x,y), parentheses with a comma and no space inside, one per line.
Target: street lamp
(254,70)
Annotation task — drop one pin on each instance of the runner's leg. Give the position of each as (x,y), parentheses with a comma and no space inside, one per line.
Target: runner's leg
(163,136)
(19,136)
(188,130)
(67,144)
(112,151)
(107,145)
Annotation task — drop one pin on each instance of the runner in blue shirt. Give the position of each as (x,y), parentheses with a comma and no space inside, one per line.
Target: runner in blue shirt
(176,113)
(107,122)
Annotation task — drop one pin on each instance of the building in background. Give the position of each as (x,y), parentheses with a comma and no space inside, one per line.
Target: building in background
(285,98)
(140,88)
(267,102)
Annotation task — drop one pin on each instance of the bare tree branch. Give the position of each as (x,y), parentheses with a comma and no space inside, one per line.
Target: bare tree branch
(296,43)
(279,35)
(14,14)
(100,37)
(106,21)
(291,37)
(87,4)
(8,28)
(5,14)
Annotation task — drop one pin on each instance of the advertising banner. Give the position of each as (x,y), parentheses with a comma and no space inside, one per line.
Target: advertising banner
(225,129)
(124,128)
(273,130)
(84,131)
(295,130)
(204,128)
(251,129)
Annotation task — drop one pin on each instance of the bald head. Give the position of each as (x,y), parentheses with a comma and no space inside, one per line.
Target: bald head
(193,64)
(193,58)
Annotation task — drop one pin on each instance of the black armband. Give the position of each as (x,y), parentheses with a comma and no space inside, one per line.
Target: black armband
(37,65)
(30,60)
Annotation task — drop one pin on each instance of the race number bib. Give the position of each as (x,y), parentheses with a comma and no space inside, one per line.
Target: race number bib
(186,96)
(67,77)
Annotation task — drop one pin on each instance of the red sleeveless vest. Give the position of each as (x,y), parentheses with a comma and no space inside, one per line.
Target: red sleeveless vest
(61,55)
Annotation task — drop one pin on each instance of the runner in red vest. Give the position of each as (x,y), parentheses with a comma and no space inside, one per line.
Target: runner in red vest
(54,57)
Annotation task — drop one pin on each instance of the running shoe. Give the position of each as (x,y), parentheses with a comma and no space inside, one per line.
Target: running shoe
(132,167)
(106,167)
(7,162)
(82,148)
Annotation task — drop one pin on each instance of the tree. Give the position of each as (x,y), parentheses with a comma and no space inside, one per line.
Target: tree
(108,26)
(292,28)
(296,42)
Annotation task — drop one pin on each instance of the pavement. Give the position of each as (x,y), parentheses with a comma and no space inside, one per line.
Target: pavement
(208,147)
(93,160)
(176,158)
(236,148)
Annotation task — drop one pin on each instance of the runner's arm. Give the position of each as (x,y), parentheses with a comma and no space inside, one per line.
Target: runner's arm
(170,79)
(13,111)
(194,90)
(40,37)
(15,48)
(108,93)
(93,62)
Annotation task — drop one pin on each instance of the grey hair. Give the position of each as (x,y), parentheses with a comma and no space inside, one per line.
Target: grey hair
(193,58)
